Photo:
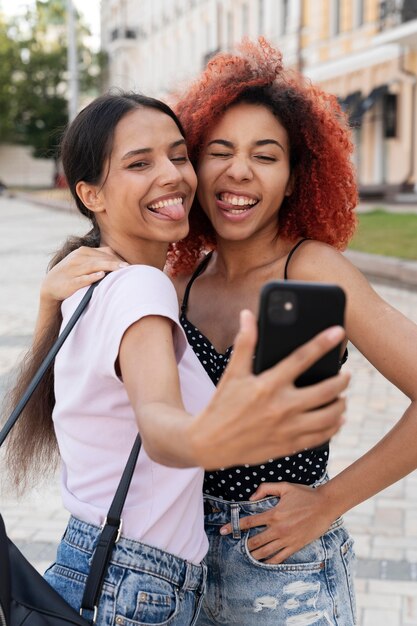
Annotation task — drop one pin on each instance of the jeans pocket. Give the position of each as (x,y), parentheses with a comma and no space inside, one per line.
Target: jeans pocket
(349,561)
(309,559)
(70,584)
(146,599)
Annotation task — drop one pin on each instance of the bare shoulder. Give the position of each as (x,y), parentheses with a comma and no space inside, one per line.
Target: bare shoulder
(383,334)
(318,261)
(315,261)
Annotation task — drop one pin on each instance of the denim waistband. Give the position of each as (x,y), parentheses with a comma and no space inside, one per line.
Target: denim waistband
(223,511)
(250,507)
(219,512)
(139,556)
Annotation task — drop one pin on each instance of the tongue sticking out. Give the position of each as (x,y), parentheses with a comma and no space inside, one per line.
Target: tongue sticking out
(173,211)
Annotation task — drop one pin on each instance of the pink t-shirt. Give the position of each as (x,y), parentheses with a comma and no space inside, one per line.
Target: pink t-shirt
(96,427)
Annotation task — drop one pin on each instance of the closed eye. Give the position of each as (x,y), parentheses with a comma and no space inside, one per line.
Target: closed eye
(264,157)
(179,159)
(137,165)
(220,154)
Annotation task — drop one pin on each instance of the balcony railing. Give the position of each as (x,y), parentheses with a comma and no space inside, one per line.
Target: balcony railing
(123,33)
(395,12)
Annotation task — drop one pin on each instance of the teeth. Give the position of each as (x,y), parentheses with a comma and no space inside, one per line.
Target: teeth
(237,200)
(237,212)
(162,203)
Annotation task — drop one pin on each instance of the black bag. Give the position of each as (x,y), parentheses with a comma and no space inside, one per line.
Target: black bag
(25,596)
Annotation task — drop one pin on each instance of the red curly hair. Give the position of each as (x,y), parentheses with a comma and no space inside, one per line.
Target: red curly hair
(322,203)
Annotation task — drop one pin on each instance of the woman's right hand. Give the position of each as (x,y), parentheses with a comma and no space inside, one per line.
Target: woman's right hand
(80,268)
(252,418)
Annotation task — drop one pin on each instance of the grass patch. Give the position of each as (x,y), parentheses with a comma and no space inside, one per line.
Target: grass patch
(389,234)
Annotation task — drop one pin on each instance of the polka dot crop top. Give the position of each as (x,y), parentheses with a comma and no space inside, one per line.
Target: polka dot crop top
(238,483)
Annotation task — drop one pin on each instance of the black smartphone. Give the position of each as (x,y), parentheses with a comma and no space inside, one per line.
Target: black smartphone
(290,314)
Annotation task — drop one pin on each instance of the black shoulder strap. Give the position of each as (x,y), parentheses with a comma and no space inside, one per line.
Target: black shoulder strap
(11,421)
(199,270)
(110,535)
(291,252)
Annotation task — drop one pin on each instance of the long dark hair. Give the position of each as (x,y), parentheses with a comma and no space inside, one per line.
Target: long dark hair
(86,146)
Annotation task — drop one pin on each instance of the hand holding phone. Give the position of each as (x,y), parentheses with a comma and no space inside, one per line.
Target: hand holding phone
(290,314)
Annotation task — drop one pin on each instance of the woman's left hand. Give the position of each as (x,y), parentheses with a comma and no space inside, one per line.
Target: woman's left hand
(301,515)
(80,268)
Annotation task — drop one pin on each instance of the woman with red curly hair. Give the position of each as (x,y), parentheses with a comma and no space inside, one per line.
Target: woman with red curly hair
(322,202)
(276,199)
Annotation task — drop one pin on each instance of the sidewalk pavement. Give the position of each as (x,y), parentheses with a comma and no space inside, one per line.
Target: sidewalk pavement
(384,528)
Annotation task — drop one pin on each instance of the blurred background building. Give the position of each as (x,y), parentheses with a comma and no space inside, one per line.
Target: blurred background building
(364,51)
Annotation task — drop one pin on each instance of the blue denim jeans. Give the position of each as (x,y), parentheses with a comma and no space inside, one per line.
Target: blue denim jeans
(313,586)
(143,585)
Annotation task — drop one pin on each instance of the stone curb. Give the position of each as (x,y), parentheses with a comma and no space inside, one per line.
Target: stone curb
(59,205)
(397,272)
(391,270)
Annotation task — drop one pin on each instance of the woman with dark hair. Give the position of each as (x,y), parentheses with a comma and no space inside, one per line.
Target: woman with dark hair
(127,367)
(275,199)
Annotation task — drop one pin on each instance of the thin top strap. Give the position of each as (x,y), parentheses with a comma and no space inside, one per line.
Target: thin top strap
(345,354)
(291,252)
(199,270)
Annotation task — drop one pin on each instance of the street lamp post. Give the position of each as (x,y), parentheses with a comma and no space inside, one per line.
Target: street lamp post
(72,62)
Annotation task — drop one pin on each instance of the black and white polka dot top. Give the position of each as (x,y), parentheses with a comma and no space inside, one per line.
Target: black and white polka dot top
(238,483)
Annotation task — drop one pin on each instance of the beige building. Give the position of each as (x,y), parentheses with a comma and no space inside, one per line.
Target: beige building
(364,51)
(156,45)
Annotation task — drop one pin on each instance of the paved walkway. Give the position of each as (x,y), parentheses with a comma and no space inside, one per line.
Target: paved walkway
(385,528)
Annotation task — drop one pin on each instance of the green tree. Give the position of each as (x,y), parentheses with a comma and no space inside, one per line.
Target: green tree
(9,59)
(38,77)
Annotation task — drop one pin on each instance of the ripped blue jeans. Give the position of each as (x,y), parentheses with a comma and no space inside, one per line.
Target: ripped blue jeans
(143,585)
(314,586)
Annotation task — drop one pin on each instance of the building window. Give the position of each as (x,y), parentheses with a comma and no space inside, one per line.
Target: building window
(390,115)
(229,30)
(394,12)
(207,29)
(219,26)
(261,16)
(359,12)
(284,16)
(408,10)
(245,19)
(334,17)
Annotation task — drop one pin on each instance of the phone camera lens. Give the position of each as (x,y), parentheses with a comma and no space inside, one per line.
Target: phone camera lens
(282,307)
(276,297)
